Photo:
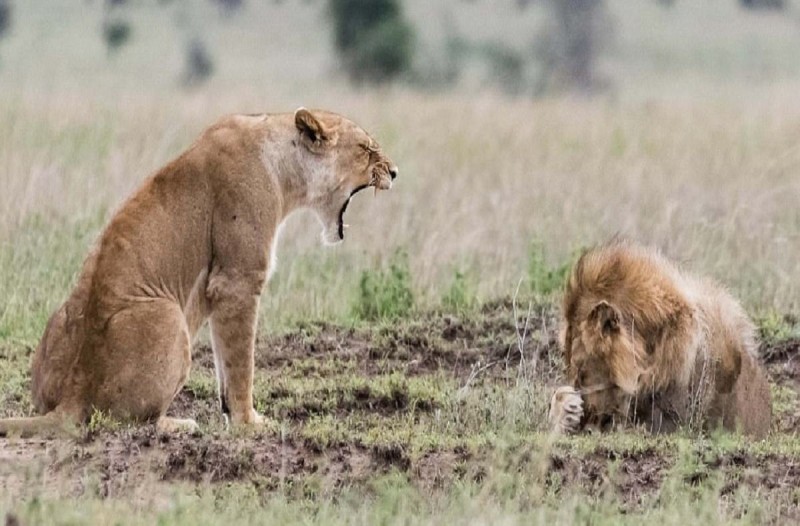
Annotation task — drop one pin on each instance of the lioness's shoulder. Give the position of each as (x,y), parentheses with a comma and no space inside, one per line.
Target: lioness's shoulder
(231,132)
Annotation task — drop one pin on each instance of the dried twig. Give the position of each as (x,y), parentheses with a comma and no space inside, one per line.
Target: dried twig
(475,371)
(521,337)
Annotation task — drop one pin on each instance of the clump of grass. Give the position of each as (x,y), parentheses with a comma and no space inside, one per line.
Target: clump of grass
(100,421)
(775,327)
(202,385)
(460,294)
(545,279)
(385,293)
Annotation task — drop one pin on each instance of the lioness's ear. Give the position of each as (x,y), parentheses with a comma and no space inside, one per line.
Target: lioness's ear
(312,132)
(606,317)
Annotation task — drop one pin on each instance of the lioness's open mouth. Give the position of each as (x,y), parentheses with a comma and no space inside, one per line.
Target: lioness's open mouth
(344,207)
(379,182)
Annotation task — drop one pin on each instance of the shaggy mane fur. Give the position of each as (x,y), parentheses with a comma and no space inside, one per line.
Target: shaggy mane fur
(677,349)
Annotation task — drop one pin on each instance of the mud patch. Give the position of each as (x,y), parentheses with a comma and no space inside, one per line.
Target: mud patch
(360,377)
(434,343)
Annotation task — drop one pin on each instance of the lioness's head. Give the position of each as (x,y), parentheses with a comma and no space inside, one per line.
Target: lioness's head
(339,160)
(605,363)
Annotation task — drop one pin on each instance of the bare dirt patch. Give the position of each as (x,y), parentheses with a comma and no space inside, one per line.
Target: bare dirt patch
(111,463)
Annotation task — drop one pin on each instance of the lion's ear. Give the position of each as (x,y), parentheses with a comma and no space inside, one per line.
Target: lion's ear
(729,367)
(313,133)
(607,318)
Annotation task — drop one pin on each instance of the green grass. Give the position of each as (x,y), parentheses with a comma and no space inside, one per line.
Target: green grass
(421,446)
(459,296)
(367,395)
(39,267)
(511,488)
(385,293)
(775,327)
(546,280)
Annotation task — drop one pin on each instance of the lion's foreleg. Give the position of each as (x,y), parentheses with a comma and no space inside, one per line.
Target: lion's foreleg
(234,309)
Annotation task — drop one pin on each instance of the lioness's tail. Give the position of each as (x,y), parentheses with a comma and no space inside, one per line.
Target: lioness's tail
(49,424)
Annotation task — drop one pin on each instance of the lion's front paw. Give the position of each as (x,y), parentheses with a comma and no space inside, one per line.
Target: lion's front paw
(566,410)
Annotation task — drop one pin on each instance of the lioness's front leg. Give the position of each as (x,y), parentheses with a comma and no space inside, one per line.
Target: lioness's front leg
(566,410)
(234,300)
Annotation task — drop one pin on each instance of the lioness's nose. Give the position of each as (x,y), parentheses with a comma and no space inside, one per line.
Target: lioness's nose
(393,172)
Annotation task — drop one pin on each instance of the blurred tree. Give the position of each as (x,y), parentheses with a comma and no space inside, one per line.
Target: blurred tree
(373,38)
(763,4)
(576,34)
(199,65)
(5,17)
(116,29)
(506,66)
(116,33)
(229,6)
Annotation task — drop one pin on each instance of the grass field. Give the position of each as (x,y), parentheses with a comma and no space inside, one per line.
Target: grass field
(393,368)
(438,418)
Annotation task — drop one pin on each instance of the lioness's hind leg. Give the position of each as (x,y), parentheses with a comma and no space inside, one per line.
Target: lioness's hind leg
(147,360)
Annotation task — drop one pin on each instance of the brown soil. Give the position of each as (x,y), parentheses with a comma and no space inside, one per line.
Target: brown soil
(111,463)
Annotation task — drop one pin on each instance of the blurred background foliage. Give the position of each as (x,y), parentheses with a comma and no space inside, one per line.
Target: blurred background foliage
(522,47)
(516,123)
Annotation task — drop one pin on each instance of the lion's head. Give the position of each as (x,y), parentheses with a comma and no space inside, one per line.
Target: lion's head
(604,362)
(342,159)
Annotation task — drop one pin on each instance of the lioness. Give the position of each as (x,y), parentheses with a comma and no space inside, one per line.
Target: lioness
(649,344)
(196,241)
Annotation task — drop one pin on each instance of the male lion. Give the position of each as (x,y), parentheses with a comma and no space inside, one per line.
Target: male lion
(195,242)
(648,344)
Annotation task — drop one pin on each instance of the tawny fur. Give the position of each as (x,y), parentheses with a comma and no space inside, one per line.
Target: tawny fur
(194,243)
(652,345)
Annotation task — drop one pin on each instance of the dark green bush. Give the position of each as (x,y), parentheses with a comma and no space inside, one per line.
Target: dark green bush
(373,38)
(116,34)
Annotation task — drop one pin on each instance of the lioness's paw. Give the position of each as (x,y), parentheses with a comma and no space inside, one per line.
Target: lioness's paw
(566,410)
(255,423)
(168,426)
(249,419)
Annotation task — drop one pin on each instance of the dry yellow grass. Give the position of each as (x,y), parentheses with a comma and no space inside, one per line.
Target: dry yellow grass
(709,170)
(715,184)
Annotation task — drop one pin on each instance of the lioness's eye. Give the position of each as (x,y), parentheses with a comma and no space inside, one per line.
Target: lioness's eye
(370,147)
